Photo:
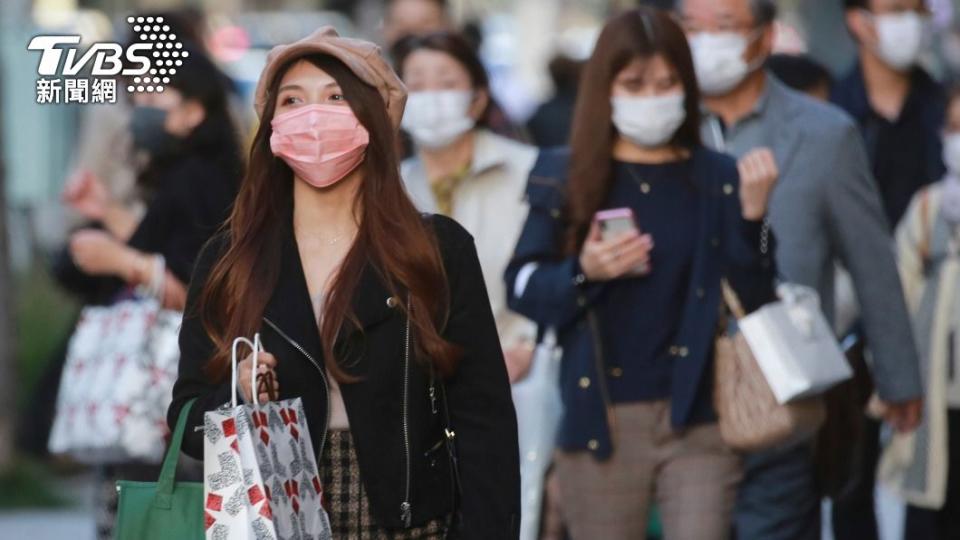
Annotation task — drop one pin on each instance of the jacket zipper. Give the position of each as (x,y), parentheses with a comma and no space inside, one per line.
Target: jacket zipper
(323,375)
(406,510)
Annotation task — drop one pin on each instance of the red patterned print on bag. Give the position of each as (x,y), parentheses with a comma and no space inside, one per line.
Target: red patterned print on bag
(214,502)
(255,494)
(208,520)
(229,427)
(120,412)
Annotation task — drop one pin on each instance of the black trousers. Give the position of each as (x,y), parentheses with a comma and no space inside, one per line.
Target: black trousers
(854,516)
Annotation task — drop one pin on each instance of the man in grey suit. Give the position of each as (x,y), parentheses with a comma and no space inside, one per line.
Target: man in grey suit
(825,207)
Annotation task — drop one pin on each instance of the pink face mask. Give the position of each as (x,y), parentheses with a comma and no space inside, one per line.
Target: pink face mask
(321,143)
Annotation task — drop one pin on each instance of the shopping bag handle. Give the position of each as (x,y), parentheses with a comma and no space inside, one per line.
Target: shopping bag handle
(257,348)
(164,495)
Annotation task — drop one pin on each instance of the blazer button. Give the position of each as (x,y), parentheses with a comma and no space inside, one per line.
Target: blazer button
(581,301)
(584,382)
(674,350)
(727,189)
(579,279)
(392,301)
(593,444)
(683,351)
(555,213)
(616,372)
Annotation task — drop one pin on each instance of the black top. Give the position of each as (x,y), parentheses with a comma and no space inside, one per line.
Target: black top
(905,153)
(193,195)
(480,404)
(640,316)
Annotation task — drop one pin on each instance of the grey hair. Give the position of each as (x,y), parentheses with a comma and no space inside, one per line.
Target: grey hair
(764,11)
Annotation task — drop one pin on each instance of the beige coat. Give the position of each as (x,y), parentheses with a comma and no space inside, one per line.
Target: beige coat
(490,204)
(915,465)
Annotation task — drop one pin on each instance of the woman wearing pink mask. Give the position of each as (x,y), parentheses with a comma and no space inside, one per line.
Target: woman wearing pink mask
(373,314)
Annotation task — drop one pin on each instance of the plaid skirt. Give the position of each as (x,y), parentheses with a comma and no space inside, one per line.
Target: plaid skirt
(347,504)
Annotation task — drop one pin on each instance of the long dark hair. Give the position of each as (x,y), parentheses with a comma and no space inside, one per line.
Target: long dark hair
(638,33)
(241,282)
(454,45)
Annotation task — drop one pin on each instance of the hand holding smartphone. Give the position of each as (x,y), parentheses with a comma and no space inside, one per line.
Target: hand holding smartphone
(614,224)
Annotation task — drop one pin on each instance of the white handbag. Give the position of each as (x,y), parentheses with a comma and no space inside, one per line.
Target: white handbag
(539,410)
(794,345)
(117,381)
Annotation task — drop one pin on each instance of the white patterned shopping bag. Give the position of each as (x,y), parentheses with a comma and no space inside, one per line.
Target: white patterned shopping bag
(260,473)
(117,383)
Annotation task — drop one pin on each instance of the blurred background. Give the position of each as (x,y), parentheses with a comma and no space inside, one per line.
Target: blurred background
(530,48)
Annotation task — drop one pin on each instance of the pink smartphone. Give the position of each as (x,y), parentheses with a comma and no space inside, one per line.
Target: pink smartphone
(615,222)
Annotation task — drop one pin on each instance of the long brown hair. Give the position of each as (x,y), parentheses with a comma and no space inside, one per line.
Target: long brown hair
(638,33)
(241,282)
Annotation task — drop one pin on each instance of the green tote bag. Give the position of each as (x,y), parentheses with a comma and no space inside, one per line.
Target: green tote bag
(162,510)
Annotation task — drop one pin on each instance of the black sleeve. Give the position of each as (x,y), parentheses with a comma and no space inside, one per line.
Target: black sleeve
(193,201)
(481,407)
(196,349)
(749,250)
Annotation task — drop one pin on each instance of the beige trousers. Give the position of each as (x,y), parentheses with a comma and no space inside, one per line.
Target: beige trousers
(692,476)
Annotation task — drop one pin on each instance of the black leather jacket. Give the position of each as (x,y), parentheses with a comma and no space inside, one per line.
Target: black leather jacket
(400,449)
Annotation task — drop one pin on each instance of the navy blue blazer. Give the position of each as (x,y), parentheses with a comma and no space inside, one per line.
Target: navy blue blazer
(557,294)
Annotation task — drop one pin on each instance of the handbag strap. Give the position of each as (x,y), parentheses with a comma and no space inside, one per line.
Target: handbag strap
(732,300)
(164,495)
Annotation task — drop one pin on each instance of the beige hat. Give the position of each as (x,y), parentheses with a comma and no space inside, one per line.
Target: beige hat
(363,58)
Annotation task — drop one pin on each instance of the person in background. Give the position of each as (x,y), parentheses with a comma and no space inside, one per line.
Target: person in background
(825,208)
(404,18)
(191,179)
(897,105)
(924,467)
(636,310)
(104,150)
(462,170)
(802,73)
(899,109)
(550,124)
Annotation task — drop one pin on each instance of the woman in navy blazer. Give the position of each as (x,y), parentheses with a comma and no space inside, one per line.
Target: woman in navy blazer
(637,312)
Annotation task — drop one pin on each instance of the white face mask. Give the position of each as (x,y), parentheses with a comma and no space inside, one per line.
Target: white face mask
(951,152)
(901,38)
(718,60)
(950,200)
(648,121)
(436,119)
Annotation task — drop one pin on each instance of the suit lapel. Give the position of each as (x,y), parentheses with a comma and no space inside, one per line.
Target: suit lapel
(784,138)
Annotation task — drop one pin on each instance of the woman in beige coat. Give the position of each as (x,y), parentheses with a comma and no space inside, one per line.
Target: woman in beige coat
(924,466)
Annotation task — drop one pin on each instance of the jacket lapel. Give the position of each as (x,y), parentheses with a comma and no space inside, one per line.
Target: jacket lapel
(291,310)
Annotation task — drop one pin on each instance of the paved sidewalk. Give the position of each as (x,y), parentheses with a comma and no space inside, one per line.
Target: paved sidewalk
(70,523)
(47,525)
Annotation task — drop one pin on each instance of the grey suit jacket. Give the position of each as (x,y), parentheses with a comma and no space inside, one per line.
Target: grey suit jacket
(826,207)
